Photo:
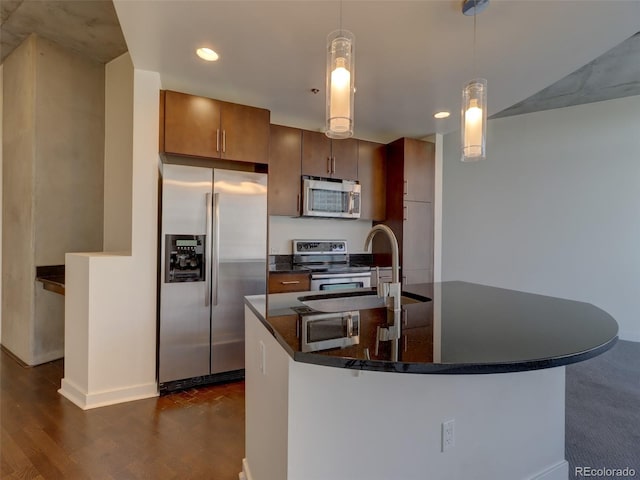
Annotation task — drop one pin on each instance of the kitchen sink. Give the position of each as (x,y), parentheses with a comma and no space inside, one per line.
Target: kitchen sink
(354,300)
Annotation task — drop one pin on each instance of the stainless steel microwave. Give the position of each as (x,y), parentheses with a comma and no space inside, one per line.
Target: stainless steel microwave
(330,198)
(323,331)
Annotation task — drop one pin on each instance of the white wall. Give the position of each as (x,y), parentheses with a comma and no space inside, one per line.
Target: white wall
(284,229)
(110,321)
(554,209)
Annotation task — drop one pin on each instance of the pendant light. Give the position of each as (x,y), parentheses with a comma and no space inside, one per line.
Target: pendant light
(340,82)
(474,100)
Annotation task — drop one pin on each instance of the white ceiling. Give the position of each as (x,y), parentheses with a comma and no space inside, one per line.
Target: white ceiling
(412,57)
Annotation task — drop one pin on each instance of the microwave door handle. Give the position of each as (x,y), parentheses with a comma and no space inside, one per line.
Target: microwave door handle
(351,202)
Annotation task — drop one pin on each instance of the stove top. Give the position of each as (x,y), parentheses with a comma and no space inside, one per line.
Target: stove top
(324,256)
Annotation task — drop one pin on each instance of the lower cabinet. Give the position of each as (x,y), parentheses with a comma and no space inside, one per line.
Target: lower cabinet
(289,282)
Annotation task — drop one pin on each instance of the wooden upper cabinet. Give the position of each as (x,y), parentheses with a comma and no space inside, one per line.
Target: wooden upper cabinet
(316,154)
(419,170)
(284,171)
(203,127)
(190,125)
(372,169)
(245,133)
(344,154)
(324,157)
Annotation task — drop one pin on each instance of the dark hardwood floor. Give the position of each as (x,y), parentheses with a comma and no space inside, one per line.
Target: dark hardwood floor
(194,434)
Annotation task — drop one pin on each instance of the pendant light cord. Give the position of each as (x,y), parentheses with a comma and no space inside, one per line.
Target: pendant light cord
(475,11)
(340,21)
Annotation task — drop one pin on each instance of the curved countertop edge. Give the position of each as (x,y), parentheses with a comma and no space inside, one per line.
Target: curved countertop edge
(422,368)
(443,368)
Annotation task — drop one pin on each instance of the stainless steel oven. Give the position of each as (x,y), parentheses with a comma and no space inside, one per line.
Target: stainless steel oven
(328,281)
(329,263)
(323,331)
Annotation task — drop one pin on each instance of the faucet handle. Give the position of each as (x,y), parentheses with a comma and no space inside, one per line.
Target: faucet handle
(383,289)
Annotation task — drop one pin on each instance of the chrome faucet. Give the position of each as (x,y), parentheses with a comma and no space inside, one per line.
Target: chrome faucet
(390,291)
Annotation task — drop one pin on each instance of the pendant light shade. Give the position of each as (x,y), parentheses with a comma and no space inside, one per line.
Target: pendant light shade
(474,120)
(340,84)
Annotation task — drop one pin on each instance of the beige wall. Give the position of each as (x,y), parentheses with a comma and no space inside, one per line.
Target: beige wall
(18,154)
(117,154)
(69,153)
(53,185)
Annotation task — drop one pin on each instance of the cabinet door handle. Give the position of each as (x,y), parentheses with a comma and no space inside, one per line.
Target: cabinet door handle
(224,141)
(217,139)
(290,282)
(298,203)
(406,187)
(405,343)
(405,317)
(328,164)
(405,213)
(333,165)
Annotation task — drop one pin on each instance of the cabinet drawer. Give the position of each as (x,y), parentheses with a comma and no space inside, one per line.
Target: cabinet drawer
(289,282)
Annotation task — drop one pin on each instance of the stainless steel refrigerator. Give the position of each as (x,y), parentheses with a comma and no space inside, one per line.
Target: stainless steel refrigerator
(213,253)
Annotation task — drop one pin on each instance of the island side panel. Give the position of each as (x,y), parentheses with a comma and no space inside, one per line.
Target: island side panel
(346,424)
(266,403)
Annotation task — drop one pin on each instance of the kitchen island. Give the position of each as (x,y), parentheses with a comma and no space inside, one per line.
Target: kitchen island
(472,387)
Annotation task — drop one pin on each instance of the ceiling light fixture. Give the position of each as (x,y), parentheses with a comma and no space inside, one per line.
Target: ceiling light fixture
(474,100)
(207,54)
(440,115)
(340,82)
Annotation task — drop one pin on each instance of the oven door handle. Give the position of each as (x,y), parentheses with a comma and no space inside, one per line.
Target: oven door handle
(320,276)
(349,326)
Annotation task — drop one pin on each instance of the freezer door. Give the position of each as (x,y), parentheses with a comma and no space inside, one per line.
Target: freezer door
(239,260)
(184,323)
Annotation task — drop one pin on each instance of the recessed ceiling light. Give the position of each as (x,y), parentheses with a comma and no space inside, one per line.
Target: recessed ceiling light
(442,114)
(207,54)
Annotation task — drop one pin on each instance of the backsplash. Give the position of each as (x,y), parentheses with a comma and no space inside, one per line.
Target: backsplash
(284,229)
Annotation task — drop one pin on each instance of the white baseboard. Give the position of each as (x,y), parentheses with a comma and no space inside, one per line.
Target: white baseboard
(87,401)
(559,471)
(246,473)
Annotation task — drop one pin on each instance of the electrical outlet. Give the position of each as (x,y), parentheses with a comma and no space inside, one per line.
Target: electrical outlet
(273,251)
(262,359)
(448,435)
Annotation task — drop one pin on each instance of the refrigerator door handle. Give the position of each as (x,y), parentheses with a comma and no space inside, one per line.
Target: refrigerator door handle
(207,273)
(216,244)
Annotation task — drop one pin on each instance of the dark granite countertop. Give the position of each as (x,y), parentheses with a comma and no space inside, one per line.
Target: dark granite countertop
(465,329)
(283,263)
(52,278)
